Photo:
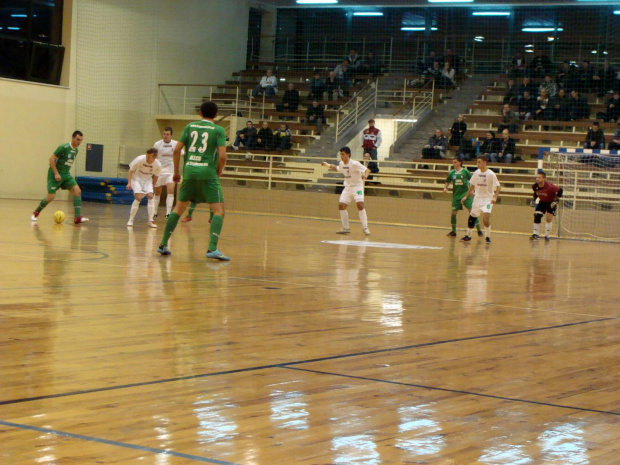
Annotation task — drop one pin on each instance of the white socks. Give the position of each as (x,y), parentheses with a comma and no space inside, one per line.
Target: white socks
(537,229)
(134,209)
(151,208)
(344,216)
(363,218)
(169,203)
(487,231)
(156,202)
(548,227)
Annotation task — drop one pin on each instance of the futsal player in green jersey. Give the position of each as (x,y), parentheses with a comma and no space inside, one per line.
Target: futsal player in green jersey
(58,177)
(459,178)
(205,159)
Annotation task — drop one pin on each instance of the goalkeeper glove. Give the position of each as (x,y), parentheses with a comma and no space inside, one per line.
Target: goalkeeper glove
(532,203)
(554,204)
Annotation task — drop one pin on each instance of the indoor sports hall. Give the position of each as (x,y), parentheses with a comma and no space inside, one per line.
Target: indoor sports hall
(402,346)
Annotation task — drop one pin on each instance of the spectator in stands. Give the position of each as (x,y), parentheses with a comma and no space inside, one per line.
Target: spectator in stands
(561,106)
(245,136)
(315,114)
(489,146)
(506,150)
(585,77)
(544,110)
(264,138)
(317,87)
(343,75)
(453,59)
(355,64)
(282,138)
(508,120)
(578,107)
(267,85)
(528,86)
(604,79)
(595,139)
(434,72)
(549,86)
(429,61)
(448,76)
(517,66)
(512,93)
(371,165)
(527,106)
(567,77)
(371,65)
(613,109)
(457,131)
(290,100)
(333,91)
(540,64)
(437,146)
(371,139)
(615,142)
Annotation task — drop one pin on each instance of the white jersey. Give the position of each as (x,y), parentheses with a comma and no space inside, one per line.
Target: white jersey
(164,154)
(352,172)
(485,184)
(143,170)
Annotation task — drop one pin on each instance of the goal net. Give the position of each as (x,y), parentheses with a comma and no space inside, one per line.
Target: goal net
(590,205)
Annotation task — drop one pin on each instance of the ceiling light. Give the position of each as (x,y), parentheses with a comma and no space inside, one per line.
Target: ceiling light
(409,28)
(540,29)
(617,12)
(450,1)
(491,13)
(19,16)
(316,2)
(367,13)
(594,52)
(529,46)
(550,39)
(406,120)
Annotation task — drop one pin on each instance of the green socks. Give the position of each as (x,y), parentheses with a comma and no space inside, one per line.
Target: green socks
(77,206)
(42,205)
(216,228)
(171,224)
(192,207)
(453,222)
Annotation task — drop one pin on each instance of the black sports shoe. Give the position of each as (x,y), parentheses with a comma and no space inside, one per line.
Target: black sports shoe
(480,234)
(488,239)
(465,239)
(451,234)
(547,238)
(534,237)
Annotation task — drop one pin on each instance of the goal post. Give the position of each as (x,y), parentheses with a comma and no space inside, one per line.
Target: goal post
(590,205)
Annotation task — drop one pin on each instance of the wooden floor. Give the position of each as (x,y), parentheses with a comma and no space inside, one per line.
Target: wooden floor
(300,351)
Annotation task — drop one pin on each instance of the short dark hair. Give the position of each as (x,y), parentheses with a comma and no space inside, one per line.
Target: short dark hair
(544,175)
(208,109)
(596,123)
(249,121)
(459,159)
(483,157)
(168,129)
(345,150)
(77,133)
(152,150)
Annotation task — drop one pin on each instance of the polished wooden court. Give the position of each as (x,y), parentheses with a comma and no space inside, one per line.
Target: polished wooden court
(301,351)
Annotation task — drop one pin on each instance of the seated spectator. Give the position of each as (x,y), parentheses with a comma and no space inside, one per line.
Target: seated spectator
(268,85)
(506,150)
(434,72)
(245,136)
(544,110)
(527,86)
(561,106)
(567,77)
(508,120)
(453,59)
(512,93)
(457,131)
(355,63)
(613,109)
(466,150)
(489,146)
(343,75)
(549,86)
(290,100)
(615,142)
(517,66)
(578,107)
(282,138)
(605,79)
(371,165)
(429,61)
(315,114)
(595,138)
(527,106)
(448,77)
(333,90)
(317,87)
(437,146)
(585,77)
(540,64)
(371,65)
(264,137)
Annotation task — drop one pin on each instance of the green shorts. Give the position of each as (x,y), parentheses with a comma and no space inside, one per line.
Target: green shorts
(457,205)
(201,191)
(66,182)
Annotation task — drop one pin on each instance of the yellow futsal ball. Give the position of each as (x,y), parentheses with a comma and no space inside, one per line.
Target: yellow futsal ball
(59,216)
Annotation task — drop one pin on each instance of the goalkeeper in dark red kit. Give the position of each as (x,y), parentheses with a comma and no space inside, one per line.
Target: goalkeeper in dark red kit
(547,195)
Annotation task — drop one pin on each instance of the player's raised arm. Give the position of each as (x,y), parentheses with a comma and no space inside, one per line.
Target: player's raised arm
(176,158)
(53,160)
(331,167)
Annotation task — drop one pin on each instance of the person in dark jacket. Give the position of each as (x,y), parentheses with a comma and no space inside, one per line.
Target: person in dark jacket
(315,114)
(506,149)
(371,165)
(246,136)
(264,138)
(578,107)
(282,138)
(489,146)
(595,139)
(437,146)
(457,131)
(317,87)
(290,100)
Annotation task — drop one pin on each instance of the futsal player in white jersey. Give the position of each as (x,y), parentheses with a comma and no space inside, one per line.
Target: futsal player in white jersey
(165,148)
(143,173)
(354,176)
(485,187)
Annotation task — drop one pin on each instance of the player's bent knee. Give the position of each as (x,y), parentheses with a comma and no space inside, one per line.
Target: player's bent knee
(76,191)
(342,206)
(538,217)
(360,206)
(471,222)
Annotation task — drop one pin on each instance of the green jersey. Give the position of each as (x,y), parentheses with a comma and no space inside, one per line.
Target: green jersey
(460,182)
(201,140)
(65,156)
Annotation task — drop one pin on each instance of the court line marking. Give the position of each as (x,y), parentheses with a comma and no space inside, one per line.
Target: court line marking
(456,391)
(109,442)
(298,362)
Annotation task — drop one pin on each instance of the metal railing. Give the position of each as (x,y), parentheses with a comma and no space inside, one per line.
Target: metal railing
(185,99)
(354,108)
(418,101)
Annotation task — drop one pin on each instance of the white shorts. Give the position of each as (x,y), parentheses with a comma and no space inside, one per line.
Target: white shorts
(164,178)
(481,205)
(355,193)
(142,186)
